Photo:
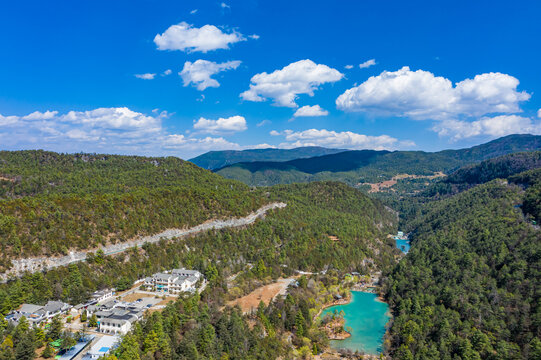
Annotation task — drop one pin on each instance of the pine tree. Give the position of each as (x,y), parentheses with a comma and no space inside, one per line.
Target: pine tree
(299,324)
(93,322)
(84,316)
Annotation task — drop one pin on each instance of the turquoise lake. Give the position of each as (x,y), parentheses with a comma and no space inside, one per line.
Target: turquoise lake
(366,317)
(403,245)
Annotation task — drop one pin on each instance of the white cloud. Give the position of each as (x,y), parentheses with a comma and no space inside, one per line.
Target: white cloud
(102,129)
(254,36)
(107,130)
(307,110)
(264,122)
(113,118)
(167,72)
(333,139)
(260,146)
(367,64)
(421,95)
(37,115)
(187,38)
(147,76)
(539,113)
(283,86)
(222,125)
(8,120)
(349,67)
(199,72)
(225,6)
(199,145)
(193,11)
(488,126)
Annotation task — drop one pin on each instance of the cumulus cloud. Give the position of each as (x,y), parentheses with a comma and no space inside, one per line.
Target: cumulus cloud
(367,64)
(260,146)
(225,6)
(345,139)
(349,67)
(254,36)
(539,113)
(283,86)
(307,110)
(106,130)
(199,72)
(496,126)
(194,11)
(167,72)
(147,76)
(181,142)
(421,95)
(101,128)
(8,120)
(186,37)
(222,125)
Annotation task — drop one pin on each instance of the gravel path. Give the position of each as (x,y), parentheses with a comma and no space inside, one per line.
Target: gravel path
(35,264)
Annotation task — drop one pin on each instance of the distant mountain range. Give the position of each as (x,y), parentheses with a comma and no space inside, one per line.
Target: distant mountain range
(356,167)
(213,160)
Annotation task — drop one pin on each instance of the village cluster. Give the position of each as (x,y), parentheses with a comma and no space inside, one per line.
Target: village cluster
(113,314)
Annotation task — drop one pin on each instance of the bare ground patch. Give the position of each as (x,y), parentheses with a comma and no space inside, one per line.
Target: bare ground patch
(250,302)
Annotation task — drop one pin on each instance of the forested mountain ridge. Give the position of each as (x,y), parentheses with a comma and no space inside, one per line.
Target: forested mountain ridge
(499,167)
(357,167)
(213,160)
(55,202)
(519,168)
(469,287)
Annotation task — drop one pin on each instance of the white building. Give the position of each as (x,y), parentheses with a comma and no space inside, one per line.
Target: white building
(102,347)
(177,281)
(37,313)
(102,295)
(117,321)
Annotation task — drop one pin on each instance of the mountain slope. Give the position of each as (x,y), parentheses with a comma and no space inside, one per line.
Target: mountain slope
(217,159)
(468,288)
(357,167)
(499,167)
(296,237)
(52,203)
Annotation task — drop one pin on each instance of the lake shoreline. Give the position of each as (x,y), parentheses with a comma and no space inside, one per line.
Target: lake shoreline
(368,320)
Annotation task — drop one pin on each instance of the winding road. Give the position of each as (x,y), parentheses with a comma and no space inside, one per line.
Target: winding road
(34,264)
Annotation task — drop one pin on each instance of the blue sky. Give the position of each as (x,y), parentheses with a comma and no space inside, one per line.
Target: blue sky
(215,75)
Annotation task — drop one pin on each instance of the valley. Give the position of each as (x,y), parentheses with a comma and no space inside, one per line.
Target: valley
(275,260)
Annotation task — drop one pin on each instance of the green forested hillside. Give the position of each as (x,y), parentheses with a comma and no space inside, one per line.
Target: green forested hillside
(531,180)
(293,238)
(469,287)
(511,166)
(354,167)
(499,167)
(54,202)
(218,159)
(289,239)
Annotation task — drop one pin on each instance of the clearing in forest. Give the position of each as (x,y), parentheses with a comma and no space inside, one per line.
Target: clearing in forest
(250,302)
